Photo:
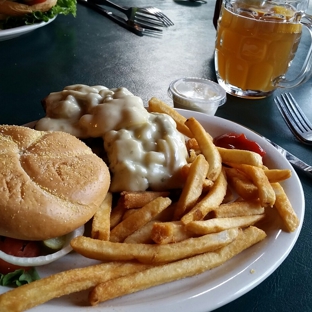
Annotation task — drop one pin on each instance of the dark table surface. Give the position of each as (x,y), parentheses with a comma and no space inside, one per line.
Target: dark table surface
(91,49)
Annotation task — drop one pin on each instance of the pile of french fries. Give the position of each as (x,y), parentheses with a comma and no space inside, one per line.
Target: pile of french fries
(151,238)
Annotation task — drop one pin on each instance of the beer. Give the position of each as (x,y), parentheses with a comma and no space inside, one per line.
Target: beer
(254,47)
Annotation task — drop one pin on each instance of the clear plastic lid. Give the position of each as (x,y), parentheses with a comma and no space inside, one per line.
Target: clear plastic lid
(197,94)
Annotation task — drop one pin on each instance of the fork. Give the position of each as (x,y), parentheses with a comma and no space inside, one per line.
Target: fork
(132,26)
(148,15)
(157,12)
(294,117)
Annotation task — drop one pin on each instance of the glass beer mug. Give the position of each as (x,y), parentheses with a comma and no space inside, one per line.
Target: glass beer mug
(255,44)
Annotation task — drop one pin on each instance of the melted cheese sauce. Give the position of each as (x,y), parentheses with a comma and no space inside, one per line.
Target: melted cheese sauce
(145,151)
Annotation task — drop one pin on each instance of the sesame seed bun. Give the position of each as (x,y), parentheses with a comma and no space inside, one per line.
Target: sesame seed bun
(50,183)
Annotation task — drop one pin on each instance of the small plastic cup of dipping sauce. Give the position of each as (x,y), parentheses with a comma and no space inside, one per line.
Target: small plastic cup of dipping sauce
(198,94)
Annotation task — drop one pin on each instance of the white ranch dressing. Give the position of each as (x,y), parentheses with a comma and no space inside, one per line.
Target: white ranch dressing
(145,150)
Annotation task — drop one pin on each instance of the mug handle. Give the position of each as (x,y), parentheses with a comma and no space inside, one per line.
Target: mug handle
(216,14)
(306,70)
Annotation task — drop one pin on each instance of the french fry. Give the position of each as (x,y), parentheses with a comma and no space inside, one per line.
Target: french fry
(129,212)
(116,215)
(100,227)
(138,219)
(277,175)
(184,170)
(151,253)
(139,199)
(212,200)
(240,156)
(241,184)
(238,209)
(192,155)
(192,144)
(258,177)
(285,209)
(158,106)
(208,149)
(64,283)
(207,186)
(220,224)
(174,271)
(229,196)
(142,235)
(169,232)
(193,186)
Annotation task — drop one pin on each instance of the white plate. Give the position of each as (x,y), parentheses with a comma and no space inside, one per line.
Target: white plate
(211,289)
(11,33)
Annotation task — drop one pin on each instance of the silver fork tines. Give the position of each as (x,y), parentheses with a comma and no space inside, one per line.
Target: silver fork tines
(134,14)
(159,14)
(294,117)
(152,22)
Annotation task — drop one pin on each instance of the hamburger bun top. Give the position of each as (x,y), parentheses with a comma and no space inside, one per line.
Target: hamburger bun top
(50,183)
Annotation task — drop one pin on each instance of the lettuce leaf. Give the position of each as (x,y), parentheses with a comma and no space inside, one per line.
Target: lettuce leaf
(64,7)
(19,277)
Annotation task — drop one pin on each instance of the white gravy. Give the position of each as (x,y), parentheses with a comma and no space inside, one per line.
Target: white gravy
(145,151)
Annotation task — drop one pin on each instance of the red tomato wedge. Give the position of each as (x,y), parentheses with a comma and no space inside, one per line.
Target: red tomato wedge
(18,248)
(32,2)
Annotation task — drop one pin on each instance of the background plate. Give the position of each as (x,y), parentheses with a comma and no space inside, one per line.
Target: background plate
(7,34)
(211,289)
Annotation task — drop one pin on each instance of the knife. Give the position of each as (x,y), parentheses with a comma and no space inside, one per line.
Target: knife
(118,19)
(295,161)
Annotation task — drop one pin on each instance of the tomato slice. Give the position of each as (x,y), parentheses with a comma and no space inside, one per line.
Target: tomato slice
(32,2)
(18,248)
(238,141)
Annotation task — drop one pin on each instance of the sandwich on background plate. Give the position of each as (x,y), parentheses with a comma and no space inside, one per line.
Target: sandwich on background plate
(28,12)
